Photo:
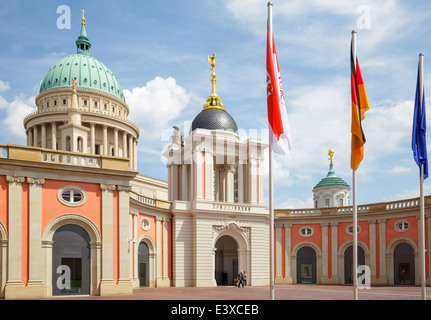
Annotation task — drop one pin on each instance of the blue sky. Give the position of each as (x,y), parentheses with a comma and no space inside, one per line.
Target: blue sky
(158,51)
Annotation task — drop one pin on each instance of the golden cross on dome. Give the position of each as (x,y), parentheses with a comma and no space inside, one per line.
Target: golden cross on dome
(83,18)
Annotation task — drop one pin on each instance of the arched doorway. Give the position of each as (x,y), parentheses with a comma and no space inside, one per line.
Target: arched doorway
(226,260)
(143,264)
(404,264)
(348,263)
(306,266)
(70,261)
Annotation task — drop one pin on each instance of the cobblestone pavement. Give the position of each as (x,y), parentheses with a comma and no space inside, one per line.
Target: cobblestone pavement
(281,292)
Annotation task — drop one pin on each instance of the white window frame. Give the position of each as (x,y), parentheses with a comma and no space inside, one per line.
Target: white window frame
(71,203)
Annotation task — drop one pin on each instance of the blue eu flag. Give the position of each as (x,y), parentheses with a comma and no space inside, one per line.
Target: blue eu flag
(419,145)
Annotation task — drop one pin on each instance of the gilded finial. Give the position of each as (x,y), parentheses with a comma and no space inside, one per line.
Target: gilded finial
(213,100)
(331,155)
(83,18)
(211,60)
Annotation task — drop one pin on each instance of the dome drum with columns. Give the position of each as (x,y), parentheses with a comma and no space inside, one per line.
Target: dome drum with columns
(81,108)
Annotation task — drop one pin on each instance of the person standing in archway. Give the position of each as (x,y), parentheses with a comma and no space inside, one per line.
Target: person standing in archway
(240,279)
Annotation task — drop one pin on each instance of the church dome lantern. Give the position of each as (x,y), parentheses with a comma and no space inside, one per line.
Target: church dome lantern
(331,191)
(214,115)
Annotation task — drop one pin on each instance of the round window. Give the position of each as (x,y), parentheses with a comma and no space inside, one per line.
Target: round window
(349,229)
(72,196)
(306,231)
(145,224)
(402,226)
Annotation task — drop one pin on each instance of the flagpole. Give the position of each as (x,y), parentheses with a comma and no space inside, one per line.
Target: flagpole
(271,196)
(422,209)
(355,211)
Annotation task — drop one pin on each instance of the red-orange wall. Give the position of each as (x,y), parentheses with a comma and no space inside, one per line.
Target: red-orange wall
(4,185)
(52,207)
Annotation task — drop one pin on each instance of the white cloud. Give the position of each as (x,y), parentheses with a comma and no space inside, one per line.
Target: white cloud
(4,86)
(154,106)
(15,112)
(399,170)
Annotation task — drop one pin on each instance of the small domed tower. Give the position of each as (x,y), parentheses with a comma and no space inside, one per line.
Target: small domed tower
(331,191)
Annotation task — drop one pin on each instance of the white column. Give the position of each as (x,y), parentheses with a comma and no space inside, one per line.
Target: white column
(165,248)
(325,251)
(35,137)
(15,235)
(116,142)
(107,281)
(209,176)
(53,136)
(184,180)
(30,137)
(124,144)
(159,259)
(373,249)
(241,176)
(278,253)
(124,235)
(135,154)
(334,245)
(93,138)
(35,234)
(105,141)
(199,174)
(288,253)
(131,153)
(43,135)
(230,183)
(382,243)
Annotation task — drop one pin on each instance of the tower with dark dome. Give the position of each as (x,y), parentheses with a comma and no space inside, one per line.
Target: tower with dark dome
(214,115)
(81,108)
(331,191)
(215,183)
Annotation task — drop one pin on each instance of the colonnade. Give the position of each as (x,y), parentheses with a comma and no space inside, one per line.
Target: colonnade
(118,143)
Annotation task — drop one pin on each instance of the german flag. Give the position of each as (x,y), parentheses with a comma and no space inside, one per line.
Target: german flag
(359,106)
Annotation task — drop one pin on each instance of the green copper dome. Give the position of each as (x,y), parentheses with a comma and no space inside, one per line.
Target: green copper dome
(91,73)
(331,180)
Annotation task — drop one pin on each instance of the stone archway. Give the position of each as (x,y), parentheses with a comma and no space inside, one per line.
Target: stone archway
(390,258)
(306,267)
(404,264)
(3,259)
(348,263)
(71,261)
(226,260)
(150,268)
(362,246)
(94,247)
(318,259)
(240,236)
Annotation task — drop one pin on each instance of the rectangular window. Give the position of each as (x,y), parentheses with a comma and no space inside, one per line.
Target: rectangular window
(95,104)
(326,202)
(64,101)
(85,102)
(97,149)
(340,202)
